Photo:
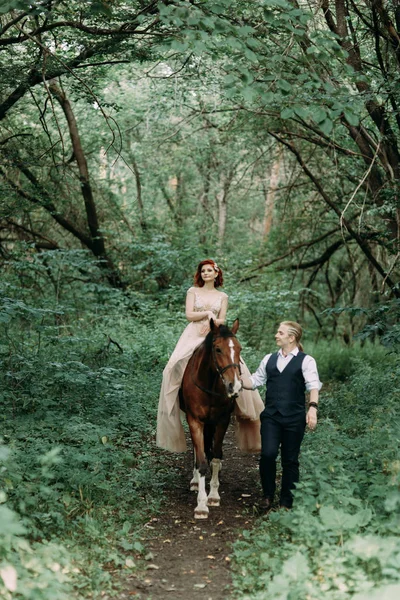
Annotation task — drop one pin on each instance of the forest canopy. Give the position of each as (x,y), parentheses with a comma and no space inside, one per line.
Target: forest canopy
(275,122)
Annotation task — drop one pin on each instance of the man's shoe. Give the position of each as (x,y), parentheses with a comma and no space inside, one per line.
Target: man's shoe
(266,504)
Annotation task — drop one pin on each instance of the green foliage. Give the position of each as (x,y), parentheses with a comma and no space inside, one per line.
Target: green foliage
(338,362)
(260,310)
(79,390)
(342,538)
(180,153)
(38,571)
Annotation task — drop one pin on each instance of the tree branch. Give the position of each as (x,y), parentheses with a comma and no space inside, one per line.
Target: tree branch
(360,241)
(46,204)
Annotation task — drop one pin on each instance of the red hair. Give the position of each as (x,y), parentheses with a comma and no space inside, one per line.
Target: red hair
(218,282)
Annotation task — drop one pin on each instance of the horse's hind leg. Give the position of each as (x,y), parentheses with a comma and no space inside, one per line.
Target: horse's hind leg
(216,465)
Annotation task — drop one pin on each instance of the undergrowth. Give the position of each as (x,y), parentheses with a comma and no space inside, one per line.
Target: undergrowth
(79,473)
(342,538)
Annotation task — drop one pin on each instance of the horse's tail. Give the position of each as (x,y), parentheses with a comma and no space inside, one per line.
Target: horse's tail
(209,431)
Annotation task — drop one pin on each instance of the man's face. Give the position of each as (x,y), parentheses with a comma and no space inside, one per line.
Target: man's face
(282,336)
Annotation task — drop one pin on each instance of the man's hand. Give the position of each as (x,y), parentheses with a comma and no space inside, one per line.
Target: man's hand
(311,418)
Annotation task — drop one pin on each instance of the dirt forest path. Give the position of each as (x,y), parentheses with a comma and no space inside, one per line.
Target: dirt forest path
(189,559)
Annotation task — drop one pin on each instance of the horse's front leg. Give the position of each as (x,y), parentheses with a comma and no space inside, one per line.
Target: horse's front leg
(200,467)
(213,496)
(216,463)
(194,483)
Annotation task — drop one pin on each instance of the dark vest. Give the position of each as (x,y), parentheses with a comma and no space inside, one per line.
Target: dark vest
(286,391)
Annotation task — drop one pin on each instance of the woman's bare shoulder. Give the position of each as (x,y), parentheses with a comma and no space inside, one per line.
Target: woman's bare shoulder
(223,295)
(191,290)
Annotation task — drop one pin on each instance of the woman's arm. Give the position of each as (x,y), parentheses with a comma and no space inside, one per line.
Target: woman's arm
(222,312)
(193,315)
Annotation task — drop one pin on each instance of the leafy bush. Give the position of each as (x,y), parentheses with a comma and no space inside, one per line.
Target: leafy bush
(39,570)
(342,538)
(338,362)
(79,393)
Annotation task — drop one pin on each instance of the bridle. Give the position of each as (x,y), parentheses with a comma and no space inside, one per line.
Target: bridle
(217,368)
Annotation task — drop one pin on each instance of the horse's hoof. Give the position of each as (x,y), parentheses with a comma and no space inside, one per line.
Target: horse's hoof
(201,514)
(213,502)
(194,487)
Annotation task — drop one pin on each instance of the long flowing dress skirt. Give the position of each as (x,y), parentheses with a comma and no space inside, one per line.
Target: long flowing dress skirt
(170,433)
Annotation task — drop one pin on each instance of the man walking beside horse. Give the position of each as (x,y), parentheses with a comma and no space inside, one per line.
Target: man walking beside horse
(288,374)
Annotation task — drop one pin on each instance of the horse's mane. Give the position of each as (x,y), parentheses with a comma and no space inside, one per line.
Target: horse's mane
(224,332)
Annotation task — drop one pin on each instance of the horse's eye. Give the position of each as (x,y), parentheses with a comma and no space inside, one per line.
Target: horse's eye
(218,350)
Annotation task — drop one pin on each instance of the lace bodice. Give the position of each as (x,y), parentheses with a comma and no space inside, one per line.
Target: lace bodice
(201,305)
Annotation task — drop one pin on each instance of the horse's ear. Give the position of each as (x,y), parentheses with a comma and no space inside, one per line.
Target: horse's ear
(235,326)
(213,325)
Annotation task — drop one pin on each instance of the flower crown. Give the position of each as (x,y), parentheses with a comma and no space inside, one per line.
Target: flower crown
(216,267)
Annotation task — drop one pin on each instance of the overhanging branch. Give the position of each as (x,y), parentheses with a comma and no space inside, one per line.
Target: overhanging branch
(359,239)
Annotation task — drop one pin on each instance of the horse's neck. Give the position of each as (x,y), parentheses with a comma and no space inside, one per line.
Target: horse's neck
(205,360)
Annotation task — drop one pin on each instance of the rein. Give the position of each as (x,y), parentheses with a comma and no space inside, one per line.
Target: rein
(217,368)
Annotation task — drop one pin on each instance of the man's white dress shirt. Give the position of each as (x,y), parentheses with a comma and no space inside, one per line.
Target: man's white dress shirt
(308,367)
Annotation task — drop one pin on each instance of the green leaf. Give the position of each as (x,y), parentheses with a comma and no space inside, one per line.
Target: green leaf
(9,522)
(267,97)
(284,85)
(338,520)
(234,43)
(296,567)
(318,114)
(179,46)
(252,56)
(287,113)
(217,9)
(230,79)
(249,93)
(200,46)
(326,126)
(6,6)
(301,112)
(352,118)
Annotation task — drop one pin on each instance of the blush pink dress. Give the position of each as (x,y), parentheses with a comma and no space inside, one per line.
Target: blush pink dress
(170,433)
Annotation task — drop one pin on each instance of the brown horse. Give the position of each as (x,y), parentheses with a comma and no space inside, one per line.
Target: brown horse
(210,384)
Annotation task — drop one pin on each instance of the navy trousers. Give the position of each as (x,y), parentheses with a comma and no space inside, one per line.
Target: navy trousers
(286,433)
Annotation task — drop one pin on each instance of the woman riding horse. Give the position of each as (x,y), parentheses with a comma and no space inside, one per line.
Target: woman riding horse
(203,302)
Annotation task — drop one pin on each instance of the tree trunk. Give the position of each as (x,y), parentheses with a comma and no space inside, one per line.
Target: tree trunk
(139,197)
(98,243)
(270,193)
(222,204)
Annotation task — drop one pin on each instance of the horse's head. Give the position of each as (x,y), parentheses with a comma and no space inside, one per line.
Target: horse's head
(226,355)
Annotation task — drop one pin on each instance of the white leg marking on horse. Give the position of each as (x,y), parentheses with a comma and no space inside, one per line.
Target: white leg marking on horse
(201,510)
(194,484)
(213,496)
